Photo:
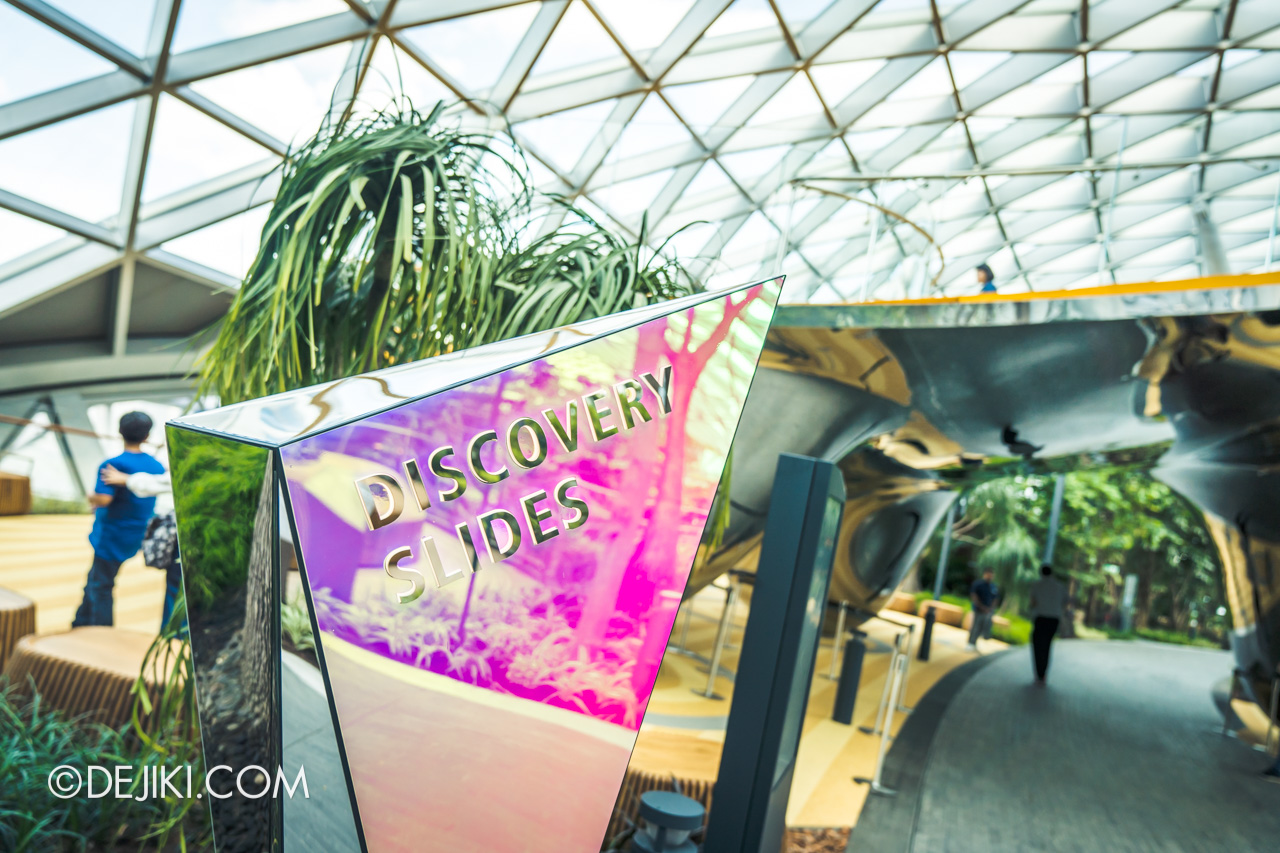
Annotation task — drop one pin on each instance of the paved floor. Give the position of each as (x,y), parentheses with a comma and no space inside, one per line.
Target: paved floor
(1116,753)
(683,732)
(47,558)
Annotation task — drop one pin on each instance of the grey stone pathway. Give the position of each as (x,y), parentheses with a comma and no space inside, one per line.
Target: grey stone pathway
(1117,753)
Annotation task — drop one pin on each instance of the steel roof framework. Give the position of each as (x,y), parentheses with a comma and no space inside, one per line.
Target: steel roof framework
(1064,142)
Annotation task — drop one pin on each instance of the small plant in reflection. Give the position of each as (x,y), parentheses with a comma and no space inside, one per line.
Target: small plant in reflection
(517,642)
(295,624)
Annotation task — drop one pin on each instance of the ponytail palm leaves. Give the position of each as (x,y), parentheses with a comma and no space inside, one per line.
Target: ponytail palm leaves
(395,238)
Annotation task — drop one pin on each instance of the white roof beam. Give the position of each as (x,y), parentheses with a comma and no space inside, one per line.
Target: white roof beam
(263,47)
(58,274)
(700,16)
(527,53)
(48,215)
(68,102)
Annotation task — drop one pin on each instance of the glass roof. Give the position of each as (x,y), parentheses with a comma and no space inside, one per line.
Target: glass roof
(870,149)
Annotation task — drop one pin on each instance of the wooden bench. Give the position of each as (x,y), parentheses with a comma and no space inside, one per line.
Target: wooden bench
(84,671)
(947,614)
(636,782)
(903,602)
(15,494)
(17,620)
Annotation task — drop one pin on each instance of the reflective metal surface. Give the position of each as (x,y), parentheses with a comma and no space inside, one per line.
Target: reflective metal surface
(916,402)
(490,607)
(225,498)
(284,417)
(1183,298)
(323,820)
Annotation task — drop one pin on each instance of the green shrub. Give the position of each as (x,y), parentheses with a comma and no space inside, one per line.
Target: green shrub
(42,505)
(34,741)
(1159,635)
(1017,634)
(963,603)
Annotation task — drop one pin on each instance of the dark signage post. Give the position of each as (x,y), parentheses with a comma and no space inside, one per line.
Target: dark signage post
(771,688)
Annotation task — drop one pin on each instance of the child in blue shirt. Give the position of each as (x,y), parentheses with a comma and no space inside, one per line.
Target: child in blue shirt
(120,522)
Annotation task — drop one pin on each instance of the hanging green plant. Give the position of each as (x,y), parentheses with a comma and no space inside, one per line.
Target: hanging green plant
(397,237)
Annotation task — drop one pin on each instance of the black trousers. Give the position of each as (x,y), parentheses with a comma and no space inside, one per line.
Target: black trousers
(1041,637)
(96,608)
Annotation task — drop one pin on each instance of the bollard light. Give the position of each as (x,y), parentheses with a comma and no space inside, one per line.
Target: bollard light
(667,819)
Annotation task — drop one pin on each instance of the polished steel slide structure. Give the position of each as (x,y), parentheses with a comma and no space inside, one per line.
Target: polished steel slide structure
(917,400)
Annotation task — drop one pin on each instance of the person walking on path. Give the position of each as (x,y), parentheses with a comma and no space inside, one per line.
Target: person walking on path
(120,522)
(983,594)
(1048,598)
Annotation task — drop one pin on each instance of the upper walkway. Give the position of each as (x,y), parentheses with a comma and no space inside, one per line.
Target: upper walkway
(1119,752)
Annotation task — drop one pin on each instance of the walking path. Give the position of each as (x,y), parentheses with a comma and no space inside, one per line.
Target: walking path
(1118,752)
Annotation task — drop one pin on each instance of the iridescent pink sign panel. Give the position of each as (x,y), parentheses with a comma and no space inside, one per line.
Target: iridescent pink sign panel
(495,570)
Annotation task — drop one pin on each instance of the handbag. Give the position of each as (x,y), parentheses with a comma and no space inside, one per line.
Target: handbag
(160,544)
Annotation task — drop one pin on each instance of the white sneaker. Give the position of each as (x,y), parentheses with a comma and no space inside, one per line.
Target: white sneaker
(972,647)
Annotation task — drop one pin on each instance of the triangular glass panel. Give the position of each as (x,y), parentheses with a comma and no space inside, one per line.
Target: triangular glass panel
(451,44)
(628,199)
(561,137)
(228,246)
(797,13)
(38,59)
(125,22)
(748,167)
(302,90)
(643,26)
(794,100)
(702,104)
(577,40)
(1103,60)
(744,16)
(868,143)
(50,165)
(929,82)
(393,75)
(1071,71)
(839,80)
(710,178)
(205,22)
(969,66)
(653,127)
(23,235)
(188,147)
(756,240)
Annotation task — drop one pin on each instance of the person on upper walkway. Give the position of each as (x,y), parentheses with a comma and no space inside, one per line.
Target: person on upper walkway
(986,278)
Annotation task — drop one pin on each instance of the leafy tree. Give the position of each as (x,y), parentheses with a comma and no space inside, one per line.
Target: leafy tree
(1115,521)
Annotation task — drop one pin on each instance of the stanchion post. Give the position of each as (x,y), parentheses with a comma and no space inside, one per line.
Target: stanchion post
(875,780)
(884,692)
(839,639)
(906,670)
(684,627)
(926,638)
(726,617)
(850,677)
